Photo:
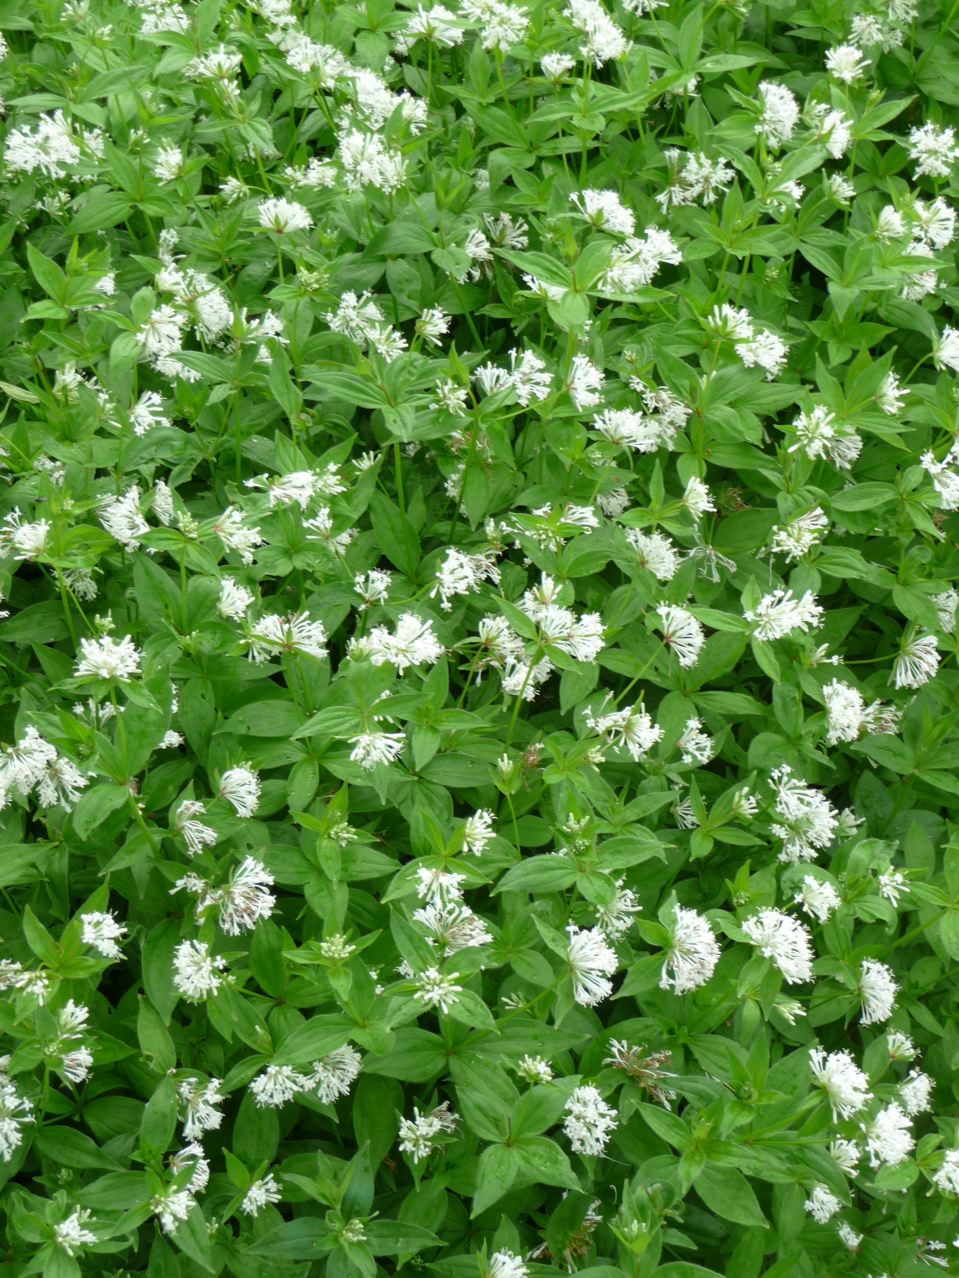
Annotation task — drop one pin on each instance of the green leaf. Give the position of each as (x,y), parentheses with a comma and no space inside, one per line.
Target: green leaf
(496,1170)
(542,1160)
(47,274)
(729,1194)
(395,535)
(95,806)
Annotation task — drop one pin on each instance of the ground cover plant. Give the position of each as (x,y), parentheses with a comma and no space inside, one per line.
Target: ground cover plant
(480,709)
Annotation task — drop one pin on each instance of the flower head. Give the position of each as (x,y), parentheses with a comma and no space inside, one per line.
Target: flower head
(591,963)
(692,954)
(589,1121)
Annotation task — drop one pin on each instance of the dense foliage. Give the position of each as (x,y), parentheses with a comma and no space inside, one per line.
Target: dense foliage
(480,708)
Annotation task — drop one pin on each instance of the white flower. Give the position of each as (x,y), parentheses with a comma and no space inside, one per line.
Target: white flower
(191,1159)
(628,428)
(556,65)
(915,1092)
(241,787)
(48,147)
(695,745)
(334,1075)
(283,216)
(76,1064)
(848,1236)
(147,413)
(784,941)
(681,632)
(161,333)
(934,150)
(413,643)
(196,834)
(845,712)
(780,613)
(121,517)
(605,210)
(846,63)
(25,541)
(946,350)
(479,831)
(693,176)
(877,989)
(70,1233)
(372,748)
(196,972)
(437,989)
(631,728)
(168,164)
(102,931)
(764,349)
(692,954)
(506,1264)
(780,114)
(892,396)
(60,782)
(276,1085)
(820,435)
(934,223)
(946,1176)
(173,1206)
(944,479)
(585,383)
(796,538)
(818,898)
(901,1047)
(460,574)
(534,1069)
(15,1110)
(842,1080)
(273,634)
(200,1100)
(846,1154)
(655,552)
(107,658)
(892,884)
(888,1137)
(822,1204)
(529,377)
(234,600)
(234,534)
(419,1134)
(589,1121)
(616,917)
(917,661)
(604,40)
(373,586)
(245,900)
(591,963)
(808,820)
(697,498)
(945,605)
(579,637)
(260,1194)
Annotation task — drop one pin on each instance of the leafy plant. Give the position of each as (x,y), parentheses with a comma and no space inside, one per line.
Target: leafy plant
(479,551)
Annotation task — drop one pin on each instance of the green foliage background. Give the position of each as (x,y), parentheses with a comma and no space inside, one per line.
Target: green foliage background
(712,1181)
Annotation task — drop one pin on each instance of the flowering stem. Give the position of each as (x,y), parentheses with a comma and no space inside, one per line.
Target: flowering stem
(67,611)
(398,467)
(632,683)
(519,696)
(458,290)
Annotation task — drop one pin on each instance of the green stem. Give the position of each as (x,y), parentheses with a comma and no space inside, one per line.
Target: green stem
(398,468)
